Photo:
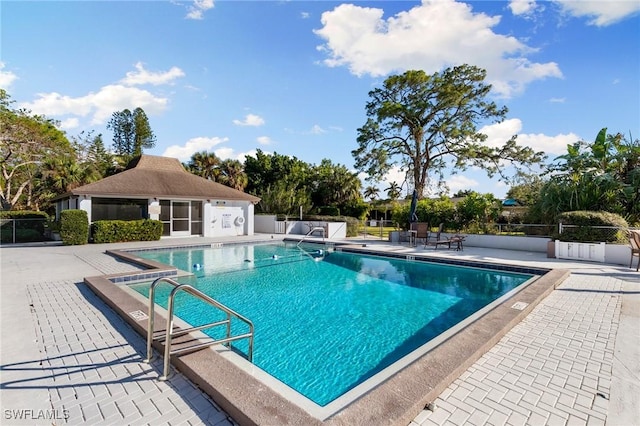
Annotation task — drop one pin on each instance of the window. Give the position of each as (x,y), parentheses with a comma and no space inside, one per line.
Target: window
(118,209)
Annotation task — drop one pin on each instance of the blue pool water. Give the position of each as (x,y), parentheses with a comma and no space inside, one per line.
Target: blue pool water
(326,322)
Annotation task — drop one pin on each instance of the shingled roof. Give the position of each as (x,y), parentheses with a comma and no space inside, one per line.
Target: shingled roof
(150,176)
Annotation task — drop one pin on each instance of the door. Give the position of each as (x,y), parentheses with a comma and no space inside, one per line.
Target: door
(181,218)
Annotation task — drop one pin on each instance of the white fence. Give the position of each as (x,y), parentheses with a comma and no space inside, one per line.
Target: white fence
(268,224)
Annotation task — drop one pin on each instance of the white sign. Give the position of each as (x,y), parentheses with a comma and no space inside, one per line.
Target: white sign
(519,306)
(226,220)
(139,315)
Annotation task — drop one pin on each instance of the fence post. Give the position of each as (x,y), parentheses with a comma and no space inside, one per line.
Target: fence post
(13,221)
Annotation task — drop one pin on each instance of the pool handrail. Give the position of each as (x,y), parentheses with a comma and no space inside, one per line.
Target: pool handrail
(169,329)
(311,231)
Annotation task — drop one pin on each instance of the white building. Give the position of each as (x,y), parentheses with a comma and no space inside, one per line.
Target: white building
(160,188)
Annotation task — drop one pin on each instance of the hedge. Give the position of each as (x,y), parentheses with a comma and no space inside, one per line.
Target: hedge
(587,227)
(112,231)
(23,214)
(74,227)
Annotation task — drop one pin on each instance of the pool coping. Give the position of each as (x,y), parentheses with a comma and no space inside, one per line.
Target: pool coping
(395,401)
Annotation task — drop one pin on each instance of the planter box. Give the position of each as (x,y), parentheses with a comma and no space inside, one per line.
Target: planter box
(551,249)
(594,252)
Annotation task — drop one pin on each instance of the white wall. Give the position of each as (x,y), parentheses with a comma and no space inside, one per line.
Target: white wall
(618,254)
(509,242)
(265,223)
(228,218)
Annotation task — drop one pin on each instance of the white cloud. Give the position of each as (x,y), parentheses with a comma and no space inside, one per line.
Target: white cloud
(558,100)
(457,183)
(99,105)
(224,153)
(522,7)
(70,123)
(250,120)
(317,130)
(184,152)
(142,76)
(196,11)
(264,140)
(498,134)
(6,77)
(228,153)
(305,15)
(394,175)
(430,36)
(551,145)
(601,13)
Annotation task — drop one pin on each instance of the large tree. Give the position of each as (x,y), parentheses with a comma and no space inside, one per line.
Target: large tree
(426,123)
(265,170)
(93,156)
(334,185)
(232,174)
(131,133)
(27,141)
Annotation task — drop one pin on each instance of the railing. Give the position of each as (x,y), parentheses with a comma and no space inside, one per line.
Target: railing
(596,233)
(22,230)
(311,231)
(170,333)
(376,228)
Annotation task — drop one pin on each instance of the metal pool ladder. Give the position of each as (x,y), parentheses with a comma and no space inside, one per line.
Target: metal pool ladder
(313,229)
(177,287)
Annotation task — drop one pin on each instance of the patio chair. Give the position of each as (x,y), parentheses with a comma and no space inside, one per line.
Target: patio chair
(421,229)
(634,240)
(439,240)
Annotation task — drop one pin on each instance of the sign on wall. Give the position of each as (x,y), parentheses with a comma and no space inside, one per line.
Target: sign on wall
(226,220)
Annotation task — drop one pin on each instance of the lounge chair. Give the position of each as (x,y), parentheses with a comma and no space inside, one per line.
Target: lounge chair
(634,240)
(439,240)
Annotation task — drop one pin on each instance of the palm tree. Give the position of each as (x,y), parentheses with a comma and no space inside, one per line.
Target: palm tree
(205,164)
(231,173)
(371,192)
(394,191)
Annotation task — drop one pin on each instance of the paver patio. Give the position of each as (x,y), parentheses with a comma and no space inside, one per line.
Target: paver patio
(65,354)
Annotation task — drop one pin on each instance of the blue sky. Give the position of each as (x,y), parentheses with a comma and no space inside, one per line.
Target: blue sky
(293,77)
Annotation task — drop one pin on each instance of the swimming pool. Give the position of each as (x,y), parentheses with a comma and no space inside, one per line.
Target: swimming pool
(326,322)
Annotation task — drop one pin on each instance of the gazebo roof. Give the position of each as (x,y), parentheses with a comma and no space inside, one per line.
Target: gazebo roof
(150,176)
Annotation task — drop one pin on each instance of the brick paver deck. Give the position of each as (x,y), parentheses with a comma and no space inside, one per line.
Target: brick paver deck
(554,368)
(92,366)
(91,362)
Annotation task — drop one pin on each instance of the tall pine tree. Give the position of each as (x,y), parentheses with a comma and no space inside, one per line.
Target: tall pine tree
(131,133)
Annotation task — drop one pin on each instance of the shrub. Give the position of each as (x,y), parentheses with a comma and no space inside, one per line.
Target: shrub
(432,211)
(111,231)
(589,226)
(23,214)
(329,211)
(74,227)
